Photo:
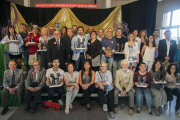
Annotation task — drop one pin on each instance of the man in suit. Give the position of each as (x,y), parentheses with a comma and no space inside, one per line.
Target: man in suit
(57,48)
(34,83)
(124,84)
(68,39)
(167,49)
(12,83)
(79,55)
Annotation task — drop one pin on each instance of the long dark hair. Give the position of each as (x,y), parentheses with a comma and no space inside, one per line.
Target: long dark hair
(10,26)
(154,66)
(169,69)
(147,43)
(83,69)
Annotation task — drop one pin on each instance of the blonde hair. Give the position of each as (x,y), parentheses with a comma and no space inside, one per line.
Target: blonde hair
(129,36)
(46,29)
(105,64)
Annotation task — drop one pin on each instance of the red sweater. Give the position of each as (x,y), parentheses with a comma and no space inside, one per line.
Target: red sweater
(148,78)
(33,47)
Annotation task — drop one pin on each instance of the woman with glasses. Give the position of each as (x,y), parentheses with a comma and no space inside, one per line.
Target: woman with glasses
(172,88)
(105,89)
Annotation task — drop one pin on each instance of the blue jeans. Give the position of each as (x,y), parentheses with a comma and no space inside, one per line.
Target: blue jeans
(26,59)
(116,66)
(60,91)
(108,60)
(44,59)
(147,95)
(80,62)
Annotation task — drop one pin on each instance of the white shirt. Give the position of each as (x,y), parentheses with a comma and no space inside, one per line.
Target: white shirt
(168,46)
(59,41)
(51,71)
(36,75)
(125,72)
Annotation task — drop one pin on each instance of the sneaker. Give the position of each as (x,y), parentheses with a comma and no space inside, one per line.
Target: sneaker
(166,106)
(161,110)
(157,112)
(49,100)
(115,110)
(111,114)
(177,113)
(60,102)
(150,113)
(4,110)
(131,112)
(105,107)
(138,111)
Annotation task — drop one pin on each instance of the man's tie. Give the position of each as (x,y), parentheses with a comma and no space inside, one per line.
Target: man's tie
(13,79)
(58,45)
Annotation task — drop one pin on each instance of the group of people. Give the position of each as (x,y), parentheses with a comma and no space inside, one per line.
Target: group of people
(106,64)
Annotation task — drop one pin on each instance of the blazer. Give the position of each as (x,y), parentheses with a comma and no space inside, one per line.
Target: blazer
(7,80)
(126,82)
(67,39)
(74,43)
(53,52)
(94,49)
(162,49)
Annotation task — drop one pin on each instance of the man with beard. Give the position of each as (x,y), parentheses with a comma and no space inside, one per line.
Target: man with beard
(51,32)
(89,32)
(155,33)
(79,55)
(124,84)
(56,74)
(74,28)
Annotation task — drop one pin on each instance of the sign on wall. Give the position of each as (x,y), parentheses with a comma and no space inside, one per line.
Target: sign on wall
(65,5)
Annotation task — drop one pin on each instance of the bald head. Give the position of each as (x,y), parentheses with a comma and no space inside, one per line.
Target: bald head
(90,29)
(57,34)
(109,32)
(36,65)
(12,65)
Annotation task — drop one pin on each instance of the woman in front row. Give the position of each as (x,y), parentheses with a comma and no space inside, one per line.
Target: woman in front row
(172,88)
(71,79)
(159,97)
(143,75)
(86,78)
(104,85)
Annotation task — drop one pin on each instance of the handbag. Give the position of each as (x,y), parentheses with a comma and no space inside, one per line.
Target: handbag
(96,61)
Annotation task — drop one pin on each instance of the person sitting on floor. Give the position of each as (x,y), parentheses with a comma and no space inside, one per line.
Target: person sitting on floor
(34,83)
(12,83)
(55,75)
(124,84)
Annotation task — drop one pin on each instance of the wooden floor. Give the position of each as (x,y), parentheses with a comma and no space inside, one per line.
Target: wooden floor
(122,114)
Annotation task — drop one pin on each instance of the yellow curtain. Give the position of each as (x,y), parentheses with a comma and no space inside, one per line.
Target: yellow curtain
(67,18)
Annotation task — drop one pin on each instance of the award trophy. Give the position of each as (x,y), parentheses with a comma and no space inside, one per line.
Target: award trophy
(178,79)
(43,46)
(56,81)
(159,77)
(108,49)
(81,44)
(119,49)
(141,82)
(30,42)
(13,39)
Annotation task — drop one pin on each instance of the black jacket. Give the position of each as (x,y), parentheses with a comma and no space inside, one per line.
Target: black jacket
(53,52)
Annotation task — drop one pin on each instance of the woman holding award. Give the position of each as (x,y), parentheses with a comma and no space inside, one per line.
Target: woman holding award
(43,41)
(105,88)
(132,52)
(71,79)
(172,88)
(159,97)
(86,78)
(142,81)
(15,43)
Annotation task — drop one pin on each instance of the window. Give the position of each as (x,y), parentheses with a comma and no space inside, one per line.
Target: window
(171,21)
(166,19)
(176,17)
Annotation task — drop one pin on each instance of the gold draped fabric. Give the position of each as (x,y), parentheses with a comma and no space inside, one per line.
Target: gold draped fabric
(65,17)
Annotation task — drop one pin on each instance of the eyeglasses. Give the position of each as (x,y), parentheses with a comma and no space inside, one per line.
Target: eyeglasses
(109,31)
(173,68)
(36,65)
(103,66)
(57,34)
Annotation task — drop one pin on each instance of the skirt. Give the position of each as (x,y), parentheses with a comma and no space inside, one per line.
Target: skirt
(15,56)
(159,97)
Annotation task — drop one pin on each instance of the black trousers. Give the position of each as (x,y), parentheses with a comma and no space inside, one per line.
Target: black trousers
(170,94)
(87,93)
(59,90)
(110,99)
(37,96)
